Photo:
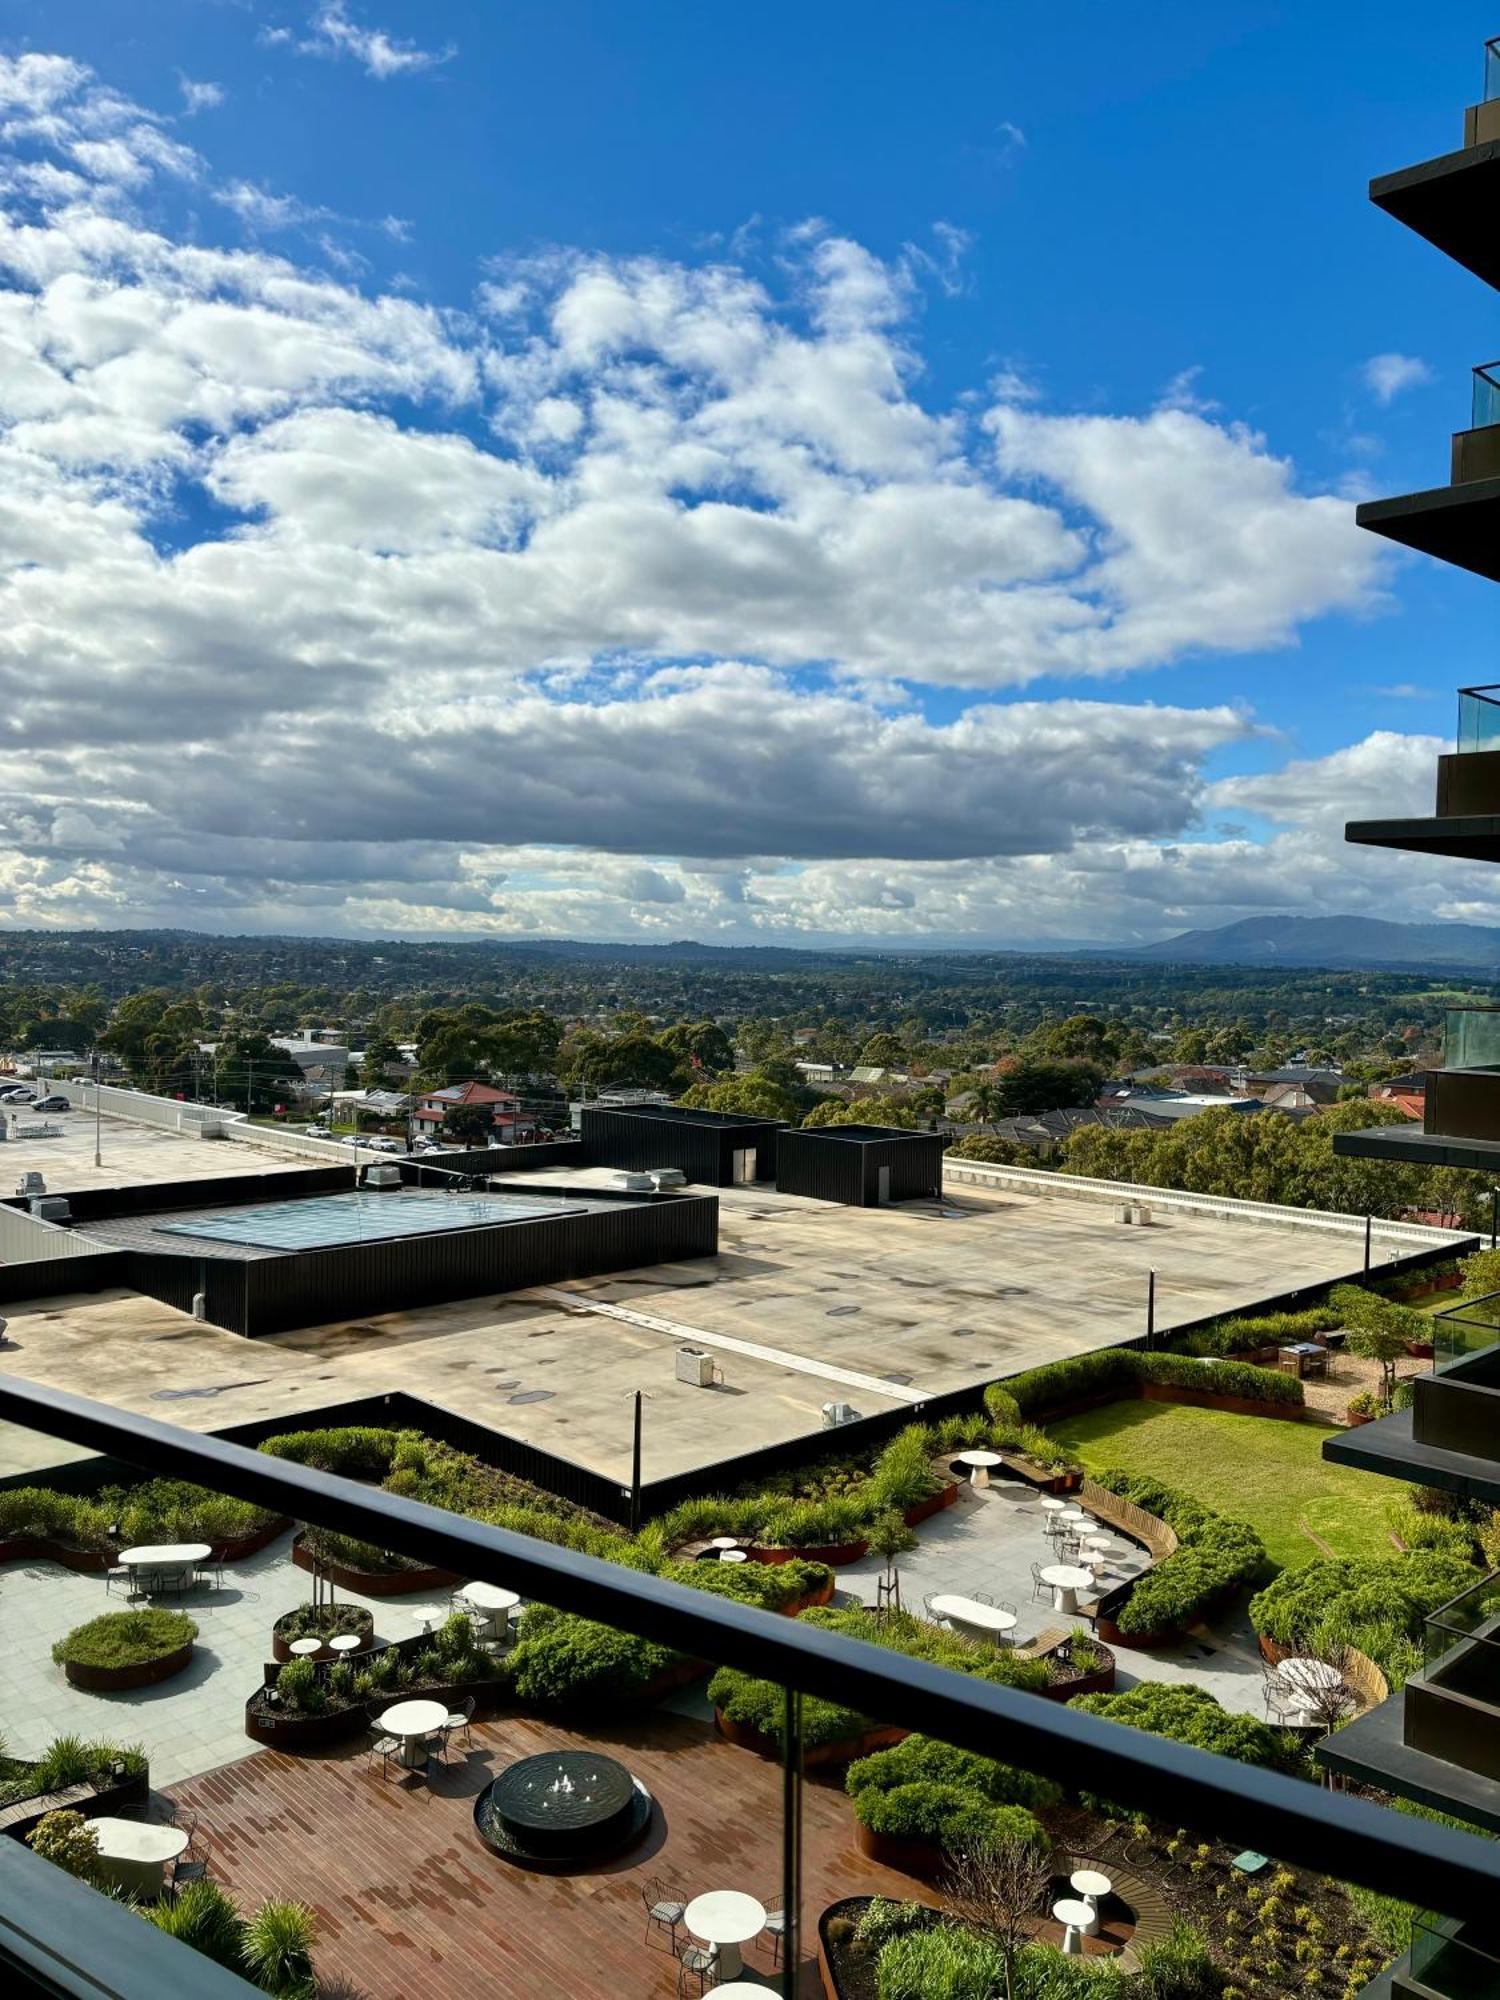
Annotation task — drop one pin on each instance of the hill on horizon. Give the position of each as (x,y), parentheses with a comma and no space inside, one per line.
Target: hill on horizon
(1336,942)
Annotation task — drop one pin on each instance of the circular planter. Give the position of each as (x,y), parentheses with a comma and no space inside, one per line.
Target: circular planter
(1100,1681)
(142,1673)
(281,1649)
(379,1582)
(844,1751)
(303,1732)
(834,1555)
(237,1550)
(923,1858)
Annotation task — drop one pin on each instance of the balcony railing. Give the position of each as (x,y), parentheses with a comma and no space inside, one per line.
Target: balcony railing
(1469,1620)
(1446,1958)
(1492,69)
(1465,1330)
(1433,1865)
(1479,718)
(1471,1035)
(1485,403)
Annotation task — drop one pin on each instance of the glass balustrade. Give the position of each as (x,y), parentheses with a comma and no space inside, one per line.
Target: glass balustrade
(1492,70)
(1448,1959)
(1471,1038)
(1485,405)
(1465,1330)
(1479,718)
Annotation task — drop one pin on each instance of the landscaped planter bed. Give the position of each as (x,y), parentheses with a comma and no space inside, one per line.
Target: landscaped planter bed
(18,1820)
(27,1548)
(283,1729)
(1202,1399)
(924,1510)
(834,1555)
(846,1975)
(1100,1681)
(923,1858)
(844,1751)
(379,1582)
(141,1673)
(250,1545)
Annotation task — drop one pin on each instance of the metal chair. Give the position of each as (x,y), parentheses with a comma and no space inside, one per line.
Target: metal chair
(700,1961)
(983,1597)
(384,1747)
(775,1928)
(213,1567)
(461,1718)
(188,1866)
(117,1573)
(927,1599)
(1278,1696)
(665,1907)
(1039,1586)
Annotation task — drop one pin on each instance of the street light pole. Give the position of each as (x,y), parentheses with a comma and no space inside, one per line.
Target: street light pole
(1494,1215)
(97,1135)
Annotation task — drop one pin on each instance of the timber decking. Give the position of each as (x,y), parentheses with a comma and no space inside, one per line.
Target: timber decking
(411,1906)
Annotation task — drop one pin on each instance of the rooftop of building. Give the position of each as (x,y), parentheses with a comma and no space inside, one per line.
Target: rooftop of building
(862,1135)
(688,1114)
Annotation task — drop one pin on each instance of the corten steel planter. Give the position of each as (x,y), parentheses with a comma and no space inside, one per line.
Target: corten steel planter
(379,1582)
(1208,1399)
(281,1649)
(843,1751)
(934,1504)
(18,1820)
(1354,1418)
(28,1548)
(834,1554)
(926,1859)
(141,1673)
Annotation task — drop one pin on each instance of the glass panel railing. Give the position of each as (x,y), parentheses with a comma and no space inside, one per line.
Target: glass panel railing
(1478,719)
(1448,1959)
(1492,69)
(1471,1037)
(1465,1330)
(1471,1620)
(1485,408)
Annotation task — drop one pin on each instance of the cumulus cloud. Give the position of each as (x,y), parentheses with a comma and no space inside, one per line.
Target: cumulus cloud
(333,33)
(198,96)
(611,602)
(1387,375)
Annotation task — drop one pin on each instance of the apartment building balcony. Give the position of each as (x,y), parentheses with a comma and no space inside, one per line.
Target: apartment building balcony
(1450,200)
(1457,523)
(1461,1105)
(1466,813)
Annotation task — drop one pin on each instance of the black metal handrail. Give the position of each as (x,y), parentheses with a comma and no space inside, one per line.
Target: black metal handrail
(1417,1860)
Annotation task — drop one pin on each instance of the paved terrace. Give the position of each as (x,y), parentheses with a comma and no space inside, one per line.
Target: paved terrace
(806,1303)
(131,1153)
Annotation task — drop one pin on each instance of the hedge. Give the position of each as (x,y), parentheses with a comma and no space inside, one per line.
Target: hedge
(1121,1371)
(125,1639)
(564,1661)
(1238,1335)
(355,1451)
(1190,1714)
(758,1705)
(950,1815)
(1378,1604)
(944,1963)
(924,1761)
(1214,1554)
(156,1511)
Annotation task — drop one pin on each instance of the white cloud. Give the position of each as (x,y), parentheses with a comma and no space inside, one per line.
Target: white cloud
(197,96)
(612,605)
(333,33)
(1387,375)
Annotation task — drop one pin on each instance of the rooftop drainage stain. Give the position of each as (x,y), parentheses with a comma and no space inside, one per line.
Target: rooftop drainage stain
(534,1396)
(842,1312)
(214,1389)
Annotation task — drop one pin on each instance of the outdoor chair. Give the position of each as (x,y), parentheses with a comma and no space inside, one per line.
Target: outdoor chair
(461,1718)
(700,1962)
(1039,1587)
(1279,1701)
(983,1597)
(214,1568)
(927,1598)
(775,1930)
(189,1867)
(665,1907)
(384,1747)
(119,1573)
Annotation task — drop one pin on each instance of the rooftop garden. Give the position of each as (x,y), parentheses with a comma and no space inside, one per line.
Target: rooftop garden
(67,1760)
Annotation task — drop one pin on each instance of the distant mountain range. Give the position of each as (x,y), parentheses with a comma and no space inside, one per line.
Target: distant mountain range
(1337,942)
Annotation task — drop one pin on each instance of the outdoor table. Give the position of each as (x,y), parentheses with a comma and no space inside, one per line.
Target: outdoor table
(727,1918)
(305,1648)
(495,1601)
(425,1616)
(345,1642)
(1066,1581)
(979,1464)
(166,1558)
(1092,1887)
(1306,1681)
(986,1619)
(413,1722)
(733,1556)
(135,1852)
(724,1542)
(1053,1505)
(1077,1915)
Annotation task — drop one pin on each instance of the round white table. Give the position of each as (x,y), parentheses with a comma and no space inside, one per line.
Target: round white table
(1091,1887)
(1066,1581)
(1079,1921)
(738,1988)
(724,1542)
(493,1599)
(174,1559)
(305,1648)
(727,1918)
(135,1852)
(1308,1683)
(986,1620)
(413,1722)
(344,1642)
(1052,1505)
(733,1556)
(426,1617)
(980,1464)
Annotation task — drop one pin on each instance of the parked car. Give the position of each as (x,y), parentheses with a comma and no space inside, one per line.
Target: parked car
(16,1093)
(316,1132)
(52,1104)
(385,1146)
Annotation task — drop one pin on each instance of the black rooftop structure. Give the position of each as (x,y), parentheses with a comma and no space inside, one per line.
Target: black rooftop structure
(864,1166)
(714,1148)
(1437,1742)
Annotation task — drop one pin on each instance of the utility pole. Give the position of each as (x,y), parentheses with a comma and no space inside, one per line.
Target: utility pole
(97,1160)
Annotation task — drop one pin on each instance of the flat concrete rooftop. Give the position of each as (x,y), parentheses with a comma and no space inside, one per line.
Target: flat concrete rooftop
(807,1302)
(130,1153)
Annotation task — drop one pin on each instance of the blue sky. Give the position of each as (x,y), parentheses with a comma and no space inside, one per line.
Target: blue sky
(750,335)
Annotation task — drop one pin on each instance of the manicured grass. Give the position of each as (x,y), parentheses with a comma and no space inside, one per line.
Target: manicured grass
(1263,1471)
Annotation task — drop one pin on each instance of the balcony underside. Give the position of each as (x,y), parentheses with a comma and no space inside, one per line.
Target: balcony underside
(1457,524)
(1416,1148)
(1451,201)
(1474,837)
(1370,1750)
(1389,1448)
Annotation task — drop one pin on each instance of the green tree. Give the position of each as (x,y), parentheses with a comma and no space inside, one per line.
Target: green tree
(863,1111)
(1378,1330)
(883,1051)
(703,1043)
(752,1096)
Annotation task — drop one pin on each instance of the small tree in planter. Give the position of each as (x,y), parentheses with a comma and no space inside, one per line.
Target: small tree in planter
(999,1889)
(889,1538)
(1378,1331)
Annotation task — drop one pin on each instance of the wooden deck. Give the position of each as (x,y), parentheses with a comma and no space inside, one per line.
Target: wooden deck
(411,1905)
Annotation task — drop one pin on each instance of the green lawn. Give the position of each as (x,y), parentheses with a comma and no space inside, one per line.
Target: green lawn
(1263,1471)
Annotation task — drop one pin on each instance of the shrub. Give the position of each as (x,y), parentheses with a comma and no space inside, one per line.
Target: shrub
(564,1661)
(1108,1371)
(1189,1714)
(1364,1403)
(125,1639)
(1001,1404)
(321,1621)
(1214,1555)
(68,1841)
(1179,1967)
(940,1963)
(353,1452)
(1239,1335)
(923,1759)
(59,1517)
(276,1948)
(1223,1378)
(904,1475)
(172,1510)
(201,1916)
(1419,1529)
(801,1524)
(770,1585)
(301,1687)
(883,1919)
(1378,1602)
(950,1815)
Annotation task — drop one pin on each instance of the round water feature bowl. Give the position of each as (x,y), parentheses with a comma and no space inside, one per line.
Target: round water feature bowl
(562,1809)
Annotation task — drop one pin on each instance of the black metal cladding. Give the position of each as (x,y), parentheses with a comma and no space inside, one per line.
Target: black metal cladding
(701,1145)
(97,1204)
(265,1295)
(843,1163)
